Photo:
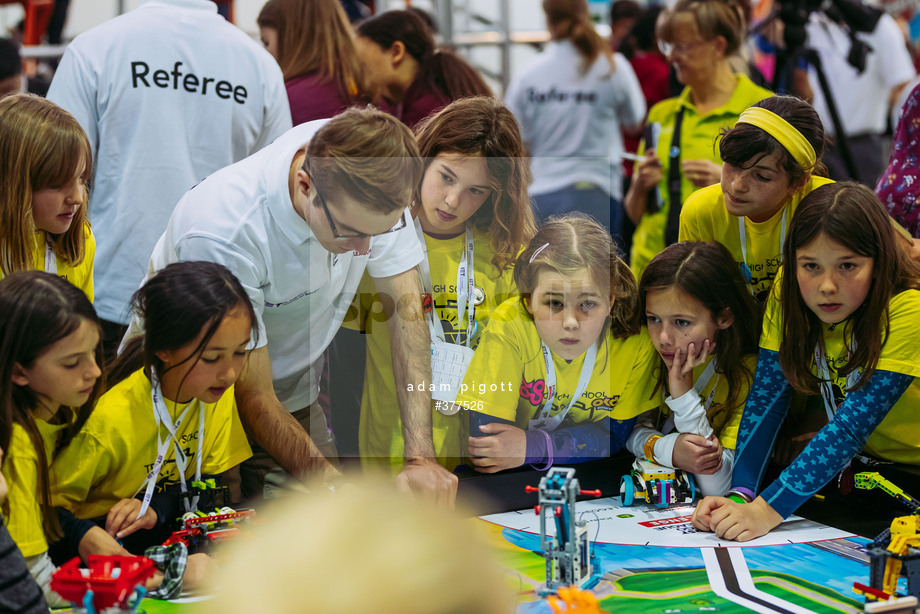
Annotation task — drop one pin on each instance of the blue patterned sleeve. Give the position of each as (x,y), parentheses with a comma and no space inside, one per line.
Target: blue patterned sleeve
(835,444)
(764,412)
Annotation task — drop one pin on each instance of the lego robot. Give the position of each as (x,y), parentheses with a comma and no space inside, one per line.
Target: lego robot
(660,486)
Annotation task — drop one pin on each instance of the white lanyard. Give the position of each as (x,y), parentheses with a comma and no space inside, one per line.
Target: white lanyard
(745,270)
(465,287)
(50,258)
(544,421)
(827,388)
(161,417)
(703,380)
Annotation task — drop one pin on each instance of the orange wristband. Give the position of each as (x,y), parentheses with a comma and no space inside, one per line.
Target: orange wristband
(649,447)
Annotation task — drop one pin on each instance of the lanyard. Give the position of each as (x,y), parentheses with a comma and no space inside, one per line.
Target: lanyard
(162,418)
(827,389)
(465,286)
(675,180)
(50,258)
(545,422)
(745,270)
(703,380)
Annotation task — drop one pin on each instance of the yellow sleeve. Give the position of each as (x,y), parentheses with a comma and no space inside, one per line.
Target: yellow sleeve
(772,332)
(365,306)
(76,470)
(692,215)
(227,445)
(638,395)
(86,267)
(25,516)
(496,360)
(901,352)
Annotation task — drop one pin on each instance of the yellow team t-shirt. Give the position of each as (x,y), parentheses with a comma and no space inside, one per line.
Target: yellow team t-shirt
(20,468)
(110,457)
(380,432)
(80,275)
(699,141)
(897,438)
(705,218)
(507,376)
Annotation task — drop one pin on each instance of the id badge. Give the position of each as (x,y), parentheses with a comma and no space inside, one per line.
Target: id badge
(448,366)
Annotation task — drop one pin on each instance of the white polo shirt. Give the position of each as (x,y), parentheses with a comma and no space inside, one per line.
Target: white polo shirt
(242,217)
(167,93)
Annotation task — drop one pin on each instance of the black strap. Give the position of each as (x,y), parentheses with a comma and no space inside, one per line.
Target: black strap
(675,200)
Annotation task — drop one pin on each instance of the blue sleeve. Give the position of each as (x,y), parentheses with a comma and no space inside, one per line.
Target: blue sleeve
(835,444)
(764,411)
(73,529)
(570,444)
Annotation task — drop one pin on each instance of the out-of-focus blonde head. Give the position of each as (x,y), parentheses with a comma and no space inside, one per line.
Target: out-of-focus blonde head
(364,549)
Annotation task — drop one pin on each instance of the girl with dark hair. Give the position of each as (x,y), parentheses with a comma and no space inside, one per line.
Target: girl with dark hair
(172,417)
(705,326)
(473,216)
(840,323)
(562,371)
(410,74)
(771,161)
(50,353)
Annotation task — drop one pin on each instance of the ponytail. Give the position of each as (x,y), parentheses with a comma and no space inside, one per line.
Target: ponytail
(569,20)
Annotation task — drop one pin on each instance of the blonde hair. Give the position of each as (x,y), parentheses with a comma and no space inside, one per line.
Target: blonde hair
(41,146)
(483,126)
(362,549)
(712,18)
(574,242)
(314,36)
(368,155)
(571,21)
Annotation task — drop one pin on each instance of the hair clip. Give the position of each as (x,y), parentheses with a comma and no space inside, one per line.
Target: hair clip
(536,253)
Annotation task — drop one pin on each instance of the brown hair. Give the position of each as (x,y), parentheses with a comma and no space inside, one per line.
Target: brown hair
(744,145)
(708,273)
(41,146)
(37,310)
(369,155)
(712,18)
(314,36)
(570,20)
(442,68)
(574,242)
(850,214)
(483,126)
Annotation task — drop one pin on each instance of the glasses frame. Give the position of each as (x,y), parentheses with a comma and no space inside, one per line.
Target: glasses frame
(668,49)
(348,235)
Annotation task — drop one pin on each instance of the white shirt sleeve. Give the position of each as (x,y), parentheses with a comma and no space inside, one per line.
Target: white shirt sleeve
(395,252)
(631,106)
(74,90)
(689,414)
(277,114)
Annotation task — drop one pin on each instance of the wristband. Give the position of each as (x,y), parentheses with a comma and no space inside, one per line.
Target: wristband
(649,447)
(740,495)
(549,452)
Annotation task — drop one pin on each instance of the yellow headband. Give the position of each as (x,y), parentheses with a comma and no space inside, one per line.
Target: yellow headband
(782,131)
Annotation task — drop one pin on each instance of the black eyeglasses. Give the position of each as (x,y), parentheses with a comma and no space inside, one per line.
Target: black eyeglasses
(348,235)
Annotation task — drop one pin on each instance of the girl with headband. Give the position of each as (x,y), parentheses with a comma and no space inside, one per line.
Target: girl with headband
(771,161)
(840,326)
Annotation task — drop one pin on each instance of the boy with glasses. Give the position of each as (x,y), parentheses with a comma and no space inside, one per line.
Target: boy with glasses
(298,223)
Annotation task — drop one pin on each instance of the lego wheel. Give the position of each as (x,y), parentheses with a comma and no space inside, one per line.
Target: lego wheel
(627,490)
